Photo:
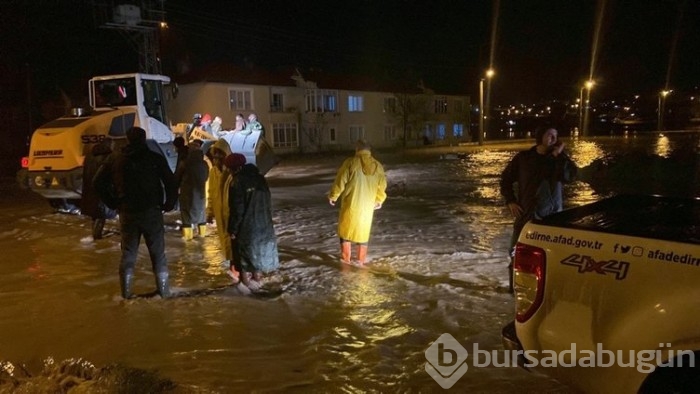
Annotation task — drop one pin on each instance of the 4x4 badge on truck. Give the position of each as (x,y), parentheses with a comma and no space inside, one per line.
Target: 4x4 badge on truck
(588,264)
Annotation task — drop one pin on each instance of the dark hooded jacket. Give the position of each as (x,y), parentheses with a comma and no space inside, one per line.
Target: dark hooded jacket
(250,220)
(539,180)
(141,180)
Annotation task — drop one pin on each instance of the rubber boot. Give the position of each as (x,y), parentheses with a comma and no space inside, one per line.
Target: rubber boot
(125,280)
(162,284)
(361,254)
(345,248)
(202,229)
(97,226)
(187,233)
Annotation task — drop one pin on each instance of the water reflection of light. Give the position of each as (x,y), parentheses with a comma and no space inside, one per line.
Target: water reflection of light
(485,164)
(580,193)
(585,152)
(369,308)
(489,192)
(35,268)
(211,249)
(373,327)
(200,253)
(663,146)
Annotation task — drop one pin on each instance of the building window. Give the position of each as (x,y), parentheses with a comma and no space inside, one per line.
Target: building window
(458,130)
(389,132)
(356,133)
(240,99)
(285,135)
(314,103)
(441,105)
(332,135)
(319,100)
(276,102)
(330,101)
(428,131)
(355,104)
(440,131)
(390,105)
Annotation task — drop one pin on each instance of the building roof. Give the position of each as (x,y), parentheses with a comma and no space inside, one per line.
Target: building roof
(229,73)
(290,76)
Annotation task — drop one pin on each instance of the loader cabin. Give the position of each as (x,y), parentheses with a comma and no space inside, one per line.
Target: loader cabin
(144,91)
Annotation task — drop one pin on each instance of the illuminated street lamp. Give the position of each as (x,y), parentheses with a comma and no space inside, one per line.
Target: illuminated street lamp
(583,116)
(489,74)
(660,109)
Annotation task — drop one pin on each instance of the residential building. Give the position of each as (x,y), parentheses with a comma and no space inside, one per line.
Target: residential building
(311,111)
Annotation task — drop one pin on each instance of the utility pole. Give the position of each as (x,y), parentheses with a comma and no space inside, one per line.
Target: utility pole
(481,111)
(139,23)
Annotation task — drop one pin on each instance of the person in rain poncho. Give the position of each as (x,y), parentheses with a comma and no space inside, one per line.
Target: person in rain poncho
(250,224)
(192,174)
(217,201)
(360,184)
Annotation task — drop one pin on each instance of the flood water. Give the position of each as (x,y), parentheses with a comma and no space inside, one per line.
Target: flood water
(437,266)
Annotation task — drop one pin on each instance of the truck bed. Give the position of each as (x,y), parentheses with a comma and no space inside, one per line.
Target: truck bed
(666,218)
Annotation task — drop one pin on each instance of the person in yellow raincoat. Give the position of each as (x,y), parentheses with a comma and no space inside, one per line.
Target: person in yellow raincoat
(360,184)
(217,200)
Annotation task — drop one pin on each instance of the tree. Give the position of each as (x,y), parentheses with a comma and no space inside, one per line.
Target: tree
(316,129)
(411,111)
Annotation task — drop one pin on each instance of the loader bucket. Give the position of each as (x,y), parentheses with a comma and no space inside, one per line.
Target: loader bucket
(254,147)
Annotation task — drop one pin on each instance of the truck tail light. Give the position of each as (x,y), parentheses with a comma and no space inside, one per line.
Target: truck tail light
(528,280)
(25,162)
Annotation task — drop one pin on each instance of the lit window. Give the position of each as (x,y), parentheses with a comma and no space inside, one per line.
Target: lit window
(319,100)
(330,101)
(440,131)
(458,130)
(355,104)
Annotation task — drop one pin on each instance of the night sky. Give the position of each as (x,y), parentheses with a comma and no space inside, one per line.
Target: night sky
(543,49)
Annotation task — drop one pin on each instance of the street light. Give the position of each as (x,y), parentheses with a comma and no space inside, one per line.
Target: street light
(660,109)
(583,116)
(489,74)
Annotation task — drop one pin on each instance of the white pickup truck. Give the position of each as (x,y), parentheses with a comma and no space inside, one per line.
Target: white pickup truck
(607,296)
